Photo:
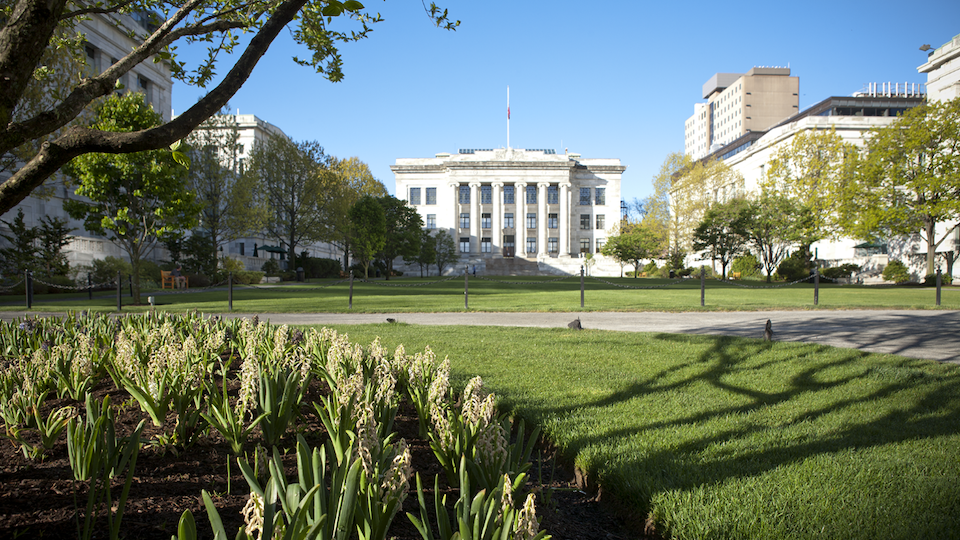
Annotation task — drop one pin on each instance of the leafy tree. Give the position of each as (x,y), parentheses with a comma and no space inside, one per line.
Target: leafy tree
(909,179)
(294,189)
(774,223)
(134,199)
(369,230)
(635,242)
(403,231)
(352,180)
(445,250)
(22,253)
(32,29)
(896,272)
(53,236)
(427,254)
(811,172)
(225,195)
(723,231)
(747,264)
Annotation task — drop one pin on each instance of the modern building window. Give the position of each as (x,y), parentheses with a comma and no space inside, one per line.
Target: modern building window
(465,220)
(584,245)
(553,245)
(600,220)
(552,221)
(531,221)
(431,221)
(464,194)
(584,222)
(601,196)
(508,220)
(553,195)
(431,195)
(599,244)
(485,221)
(508,197)
(415,196)
(531,244)
(464,244)
(485,245)
(531,194)
(584,196)
(486,195)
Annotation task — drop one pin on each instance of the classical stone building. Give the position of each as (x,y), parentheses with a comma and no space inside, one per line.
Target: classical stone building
(516,205)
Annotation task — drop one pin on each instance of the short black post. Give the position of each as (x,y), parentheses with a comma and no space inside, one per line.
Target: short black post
(939,282)
(28,288)
(119,287)
(89,287)
(230,291)
(130,277)
(466,288)
(703,285)
(581,286)
(816,285)
(350,306)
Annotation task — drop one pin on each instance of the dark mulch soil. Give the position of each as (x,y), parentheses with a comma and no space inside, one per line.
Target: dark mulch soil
(37,497)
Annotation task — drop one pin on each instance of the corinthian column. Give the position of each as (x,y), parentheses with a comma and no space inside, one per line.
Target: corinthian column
(520,220)
(474,217)
(564,220)
(497,239)
(542,219)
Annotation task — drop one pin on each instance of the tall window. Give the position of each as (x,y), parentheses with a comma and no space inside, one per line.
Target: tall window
(599,244)
(553,245)
(584,196)
(552,221)
(464,194)
(486,195)
(584,222)
(508,220)
(241,248)
(431,195)
(431,221)
(508,192)
(601,196)
(464,244)
(531,221)
(584,245)
(553,195)
(465,220)
(485,221)
(531,194)
(485,245)
(415,196)
(600,220)
(531,244)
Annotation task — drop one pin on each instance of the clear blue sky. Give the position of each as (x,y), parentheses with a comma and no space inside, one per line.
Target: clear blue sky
(603,79)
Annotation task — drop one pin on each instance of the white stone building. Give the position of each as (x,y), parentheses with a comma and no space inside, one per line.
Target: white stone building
(509,208)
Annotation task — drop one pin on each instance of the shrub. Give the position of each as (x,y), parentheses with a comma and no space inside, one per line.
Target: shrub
(247,277)
(198,280)
(229,264)
(316,267)
(930,280)
(747,265)
(70,285)
(105,270)
(795,267)
(896,272)
(650,268)
(842,271)
(271,268)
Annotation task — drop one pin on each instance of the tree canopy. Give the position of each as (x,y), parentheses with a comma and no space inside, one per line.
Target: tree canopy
(402,237)
(369,224)
(909,178)
(32,29)
(635,242)
(723,231)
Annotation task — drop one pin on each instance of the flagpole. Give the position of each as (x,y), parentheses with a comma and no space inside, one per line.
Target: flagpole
(508,116)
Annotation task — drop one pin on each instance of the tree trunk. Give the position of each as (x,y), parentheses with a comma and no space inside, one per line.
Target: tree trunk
(930,227)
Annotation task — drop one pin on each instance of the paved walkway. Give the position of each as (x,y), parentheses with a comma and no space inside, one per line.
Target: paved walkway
(933,335)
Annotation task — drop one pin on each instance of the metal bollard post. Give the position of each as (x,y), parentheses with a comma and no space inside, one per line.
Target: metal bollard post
(130,277)
(119,287)
(703,285)
(816,285)
(939,282)
(230,291)
(581,286)
(466,288)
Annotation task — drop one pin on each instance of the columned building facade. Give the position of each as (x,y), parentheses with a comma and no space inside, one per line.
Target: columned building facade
(512,203)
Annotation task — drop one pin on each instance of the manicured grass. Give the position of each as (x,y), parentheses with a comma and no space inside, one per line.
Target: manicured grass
(510,294)
(718,437)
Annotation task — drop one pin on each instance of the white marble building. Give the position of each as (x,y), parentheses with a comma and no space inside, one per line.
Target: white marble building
(508,203)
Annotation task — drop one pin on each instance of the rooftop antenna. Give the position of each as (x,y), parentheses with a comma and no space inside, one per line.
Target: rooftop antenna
(508,117)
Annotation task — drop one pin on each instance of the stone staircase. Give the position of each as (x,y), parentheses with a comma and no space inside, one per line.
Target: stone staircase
(513,266)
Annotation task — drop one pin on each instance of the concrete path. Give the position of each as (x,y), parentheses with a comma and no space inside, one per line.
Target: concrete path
(932,335)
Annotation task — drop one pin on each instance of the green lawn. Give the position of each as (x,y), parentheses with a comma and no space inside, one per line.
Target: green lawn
(510,294)
(720,437)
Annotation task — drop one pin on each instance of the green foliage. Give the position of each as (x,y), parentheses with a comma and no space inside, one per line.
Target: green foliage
(271,267)
(747,265)
(444,250)
(105,270)
(403,227)
(775,222)
(843,271)
(723,232)
(316,267)
(635,242)
(199,254)
(134,199)
(369,223)
(22,253)
(896,272)
(930,280)
(796,266)
(650,268)
(52,237)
